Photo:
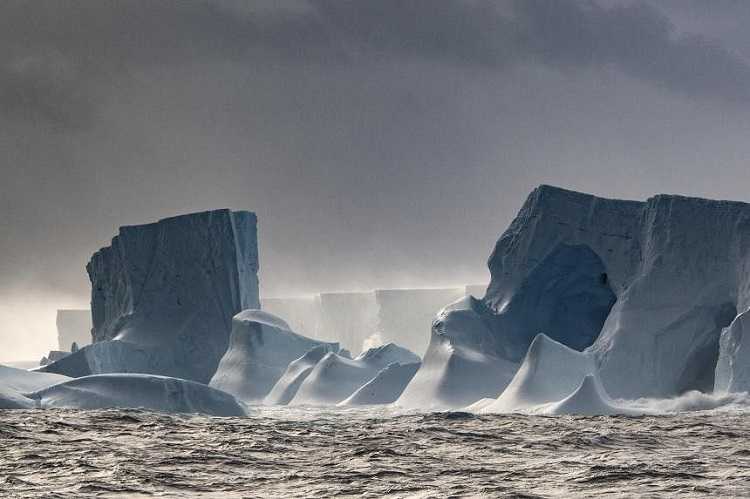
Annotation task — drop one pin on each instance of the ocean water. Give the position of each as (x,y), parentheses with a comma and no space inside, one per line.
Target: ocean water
(371,453)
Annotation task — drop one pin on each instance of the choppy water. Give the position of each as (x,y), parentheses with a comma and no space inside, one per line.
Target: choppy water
(306,453)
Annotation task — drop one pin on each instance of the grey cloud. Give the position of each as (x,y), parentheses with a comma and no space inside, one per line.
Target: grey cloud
(107,39)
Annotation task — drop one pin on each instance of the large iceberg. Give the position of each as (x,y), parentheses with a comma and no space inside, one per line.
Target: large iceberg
(334,378)
(168,290)
(145,391)
(260,349)
(646,288)
(73,326)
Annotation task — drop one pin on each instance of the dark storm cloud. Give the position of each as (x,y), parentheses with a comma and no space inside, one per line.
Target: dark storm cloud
(54,50)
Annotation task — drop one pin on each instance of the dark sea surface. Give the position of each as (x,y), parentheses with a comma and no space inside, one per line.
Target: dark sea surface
(370,453)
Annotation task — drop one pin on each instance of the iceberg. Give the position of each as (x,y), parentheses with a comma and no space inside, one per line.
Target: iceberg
(385,387)
(302,313)
(15,382)
(644,288)
(138,391)
(168,290)
(261,348)
(334,378)
(298,370)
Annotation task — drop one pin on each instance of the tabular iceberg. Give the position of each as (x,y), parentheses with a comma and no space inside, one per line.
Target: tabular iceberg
(644,287)
(169,290)
(260,349)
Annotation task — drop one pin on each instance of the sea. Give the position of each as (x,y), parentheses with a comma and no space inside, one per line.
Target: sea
(308,452)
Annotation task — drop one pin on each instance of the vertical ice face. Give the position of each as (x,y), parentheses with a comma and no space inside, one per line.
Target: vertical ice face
(645,287)
(73,326)
(733,366)
(172,287)
(678,267)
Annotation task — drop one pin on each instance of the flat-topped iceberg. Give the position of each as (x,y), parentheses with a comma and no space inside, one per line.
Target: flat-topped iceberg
(169,290)
(645,288)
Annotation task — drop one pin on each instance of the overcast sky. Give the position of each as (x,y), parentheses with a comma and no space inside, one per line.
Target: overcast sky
(383,143)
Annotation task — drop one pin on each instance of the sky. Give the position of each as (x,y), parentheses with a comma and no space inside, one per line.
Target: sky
(382,143)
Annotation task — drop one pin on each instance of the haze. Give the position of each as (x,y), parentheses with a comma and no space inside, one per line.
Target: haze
(381,143)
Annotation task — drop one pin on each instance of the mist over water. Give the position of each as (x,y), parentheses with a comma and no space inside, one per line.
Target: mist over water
(304,452)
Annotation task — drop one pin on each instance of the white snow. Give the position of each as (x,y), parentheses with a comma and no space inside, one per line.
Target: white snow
(260,349)
(15,382)
(286,387)
(385,387)
(462,363)
(151,392)
(334,378)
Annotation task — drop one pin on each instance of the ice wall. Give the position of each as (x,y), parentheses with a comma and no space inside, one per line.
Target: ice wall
(73,326)
(678,267)
(404,316)
(167,292)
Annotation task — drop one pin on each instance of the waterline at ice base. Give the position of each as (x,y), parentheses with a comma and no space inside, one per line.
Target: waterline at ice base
(595,307)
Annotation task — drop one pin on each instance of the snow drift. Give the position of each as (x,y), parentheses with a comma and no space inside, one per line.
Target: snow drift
(143,391)
(260,349)
(385,387)
(170,288)
(334,378)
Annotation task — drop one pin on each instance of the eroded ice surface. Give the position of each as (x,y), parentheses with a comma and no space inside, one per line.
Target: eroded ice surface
(260,349)
(334,378)
(172,287)
(151,392)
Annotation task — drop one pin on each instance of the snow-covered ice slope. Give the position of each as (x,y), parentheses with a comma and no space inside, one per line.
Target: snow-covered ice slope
(334,378)
(73,326)
(173,286)
(15,382)
(386,387)
(286,387)
(260,349)
(404,316)
(152,392)
(463,362)
(549,373)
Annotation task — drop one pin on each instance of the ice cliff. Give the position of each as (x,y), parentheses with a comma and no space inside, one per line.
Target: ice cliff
(646,288)
(168,291)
